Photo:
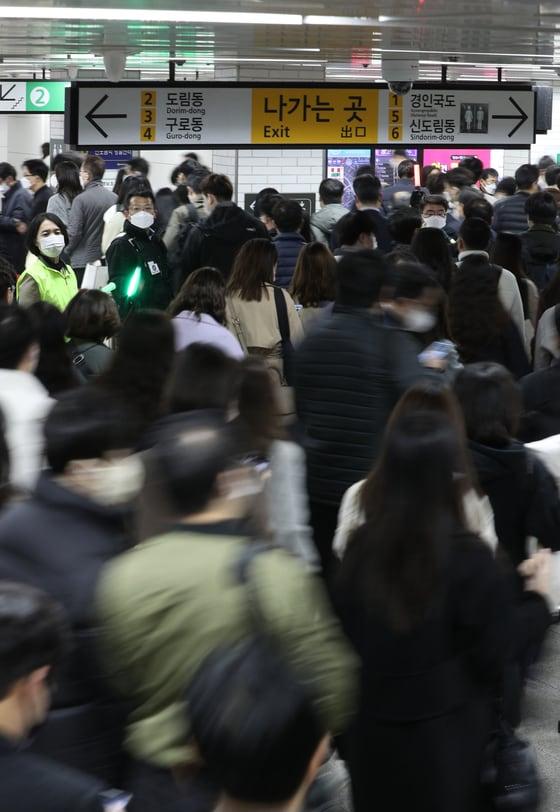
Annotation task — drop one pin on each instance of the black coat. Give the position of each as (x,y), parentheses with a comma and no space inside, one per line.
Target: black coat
(40,201)
(33,784)
(425,711)
(541,403)
(58,541)
(510,214)
(15,206)
(506,349)
(523,495)
(216,241)
(139,248)
(350,372)
(541,251)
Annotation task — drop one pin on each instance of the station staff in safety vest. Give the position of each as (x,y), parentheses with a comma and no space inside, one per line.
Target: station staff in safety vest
(47,278)
(137,258)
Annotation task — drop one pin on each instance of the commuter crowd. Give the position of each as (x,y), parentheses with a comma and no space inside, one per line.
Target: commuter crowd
(279,496)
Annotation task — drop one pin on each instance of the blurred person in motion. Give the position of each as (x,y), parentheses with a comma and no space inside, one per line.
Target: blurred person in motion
(33,642)
(83,506)
(256,729)
(15,217)
(541,241)
(330,212)
(429,612)
(47,278)
(85,226)
(216,241)
(399,193)
(177,597)
(264,206)
(137,259)
(140,367)
(369,197)
(8,281)
(313,285)
(288,218)
(185,215)
(510,213)
(552,177)
(545,163)
(34,174)
(506,188)
(403,223)
(507,252)
(199,313)
(68,188)
(355,232)
(431,247)
(349,373)
(435,397)
(91,318)
(55,369)
(24,401)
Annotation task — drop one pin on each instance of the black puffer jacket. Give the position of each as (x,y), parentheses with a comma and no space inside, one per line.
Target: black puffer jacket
(541,251)
(510,214)
(350,372)
(58,541)
(216,241)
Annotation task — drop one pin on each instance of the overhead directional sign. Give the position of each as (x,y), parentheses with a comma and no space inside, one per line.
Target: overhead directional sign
(32,97)
(182,115)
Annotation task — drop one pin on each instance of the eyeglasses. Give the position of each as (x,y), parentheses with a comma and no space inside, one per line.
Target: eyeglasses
(136,209)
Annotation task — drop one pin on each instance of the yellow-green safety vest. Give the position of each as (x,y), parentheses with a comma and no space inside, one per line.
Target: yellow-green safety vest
(55,287)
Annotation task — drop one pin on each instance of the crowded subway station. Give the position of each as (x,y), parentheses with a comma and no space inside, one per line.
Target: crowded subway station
(279,438)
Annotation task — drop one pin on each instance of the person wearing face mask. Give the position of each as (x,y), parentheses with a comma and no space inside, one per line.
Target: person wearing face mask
(85,225)
(137,259)
(184,217)
(85,495)
(48,278)
(435,214)
(34,179)
(177,596)
(34,644)
(14,218)
(488,184)
(414,301)
(24,401)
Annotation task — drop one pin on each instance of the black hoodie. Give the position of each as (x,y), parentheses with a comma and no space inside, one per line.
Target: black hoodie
(216,241)
(541,250)
(523,495)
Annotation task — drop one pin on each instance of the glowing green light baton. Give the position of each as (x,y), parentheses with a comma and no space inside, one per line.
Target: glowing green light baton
(134,283)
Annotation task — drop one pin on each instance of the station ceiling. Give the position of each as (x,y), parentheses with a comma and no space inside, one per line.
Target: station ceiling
(346,39)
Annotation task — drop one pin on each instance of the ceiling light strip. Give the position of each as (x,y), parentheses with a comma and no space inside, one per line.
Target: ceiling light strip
(148,15)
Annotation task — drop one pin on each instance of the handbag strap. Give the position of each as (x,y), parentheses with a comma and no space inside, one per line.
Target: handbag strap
(238,329)
(282,313)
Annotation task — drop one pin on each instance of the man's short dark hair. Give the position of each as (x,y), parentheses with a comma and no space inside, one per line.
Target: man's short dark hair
(267,204)
(36,167)
(459,177)
(253,723)
(189,458)
(359,278)
(365,169)
(550,176)
(545,162)
(218,185)
(507,186)
(406,169)
(85,424)
(94,165)
(194,180)
(475,233)
(144,192)
(478,206)
(203,377)
(489,173)
(33,633)
(367,189)
(331,191)
(474,165)
(17,335)
(434,200)
(526,176)
(411,279)
(139,165)
(288,215)
(403,224)
(351,226)
(541,208)
(7,171)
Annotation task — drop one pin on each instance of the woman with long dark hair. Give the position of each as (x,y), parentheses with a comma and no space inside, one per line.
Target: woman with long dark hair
(55,369)
(69,187)
(424,604)
(478,324)
(314,282)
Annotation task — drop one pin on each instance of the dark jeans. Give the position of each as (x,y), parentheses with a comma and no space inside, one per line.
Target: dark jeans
(323,520)
(79,275)
(155,789)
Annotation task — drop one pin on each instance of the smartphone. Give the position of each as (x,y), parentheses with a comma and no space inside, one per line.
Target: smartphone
(437,351)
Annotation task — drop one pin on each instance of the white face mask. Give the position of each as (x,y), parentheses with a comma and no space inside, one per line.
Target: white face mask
(53,183)
(26,183)
(109,482)
(142,219)
(490,188)
(434,221)
(52,246)
(418,320)
(4,188)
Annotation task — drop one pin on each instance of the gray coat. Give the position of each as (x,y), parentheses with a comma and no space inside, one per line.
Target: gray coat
(85,227)
(325,219)
(60,204)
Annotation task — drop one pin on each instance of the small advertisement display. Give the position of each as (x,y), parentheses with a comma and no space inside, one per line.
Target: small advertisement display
(385,168)
(446,159)
(342,165)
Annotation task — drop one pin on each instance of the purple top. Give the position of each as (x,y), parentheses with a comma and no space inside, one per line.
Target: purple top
(189,329)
